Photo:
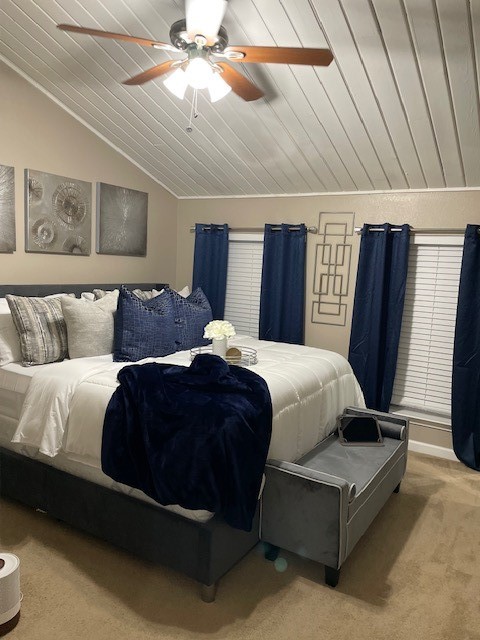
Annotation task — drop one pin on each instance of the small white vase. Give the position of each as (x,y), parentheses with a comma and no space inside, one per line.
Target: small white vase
(219,347)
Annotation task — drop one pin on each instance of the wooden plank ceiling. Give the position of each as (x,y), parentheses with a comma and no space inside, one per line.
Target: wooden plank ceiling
(397,109)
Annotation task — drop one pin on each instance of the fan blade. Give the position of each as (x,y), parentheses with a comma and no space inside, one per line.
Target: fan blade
(285,55)
(239,83)
(151,74)
(204,17)
(117,36)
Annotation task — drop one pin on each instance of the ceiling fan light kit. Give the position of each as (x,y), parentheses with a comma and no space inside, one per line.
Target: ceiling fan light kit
(198,73)
(202,38)
(177,83)
(217,87)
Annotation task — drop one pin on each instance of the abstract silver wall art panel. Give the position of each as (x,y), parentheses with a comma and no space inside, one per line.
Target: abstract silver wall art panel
(7,210)
(121,221)
(58,214)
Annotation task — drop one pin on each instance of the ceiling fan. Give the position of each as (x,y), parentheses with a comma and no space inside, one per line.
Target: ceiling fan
(204,41)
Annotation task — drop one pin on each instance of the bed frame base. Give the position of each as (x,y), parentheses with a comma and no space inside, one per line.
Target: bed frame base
(203,551)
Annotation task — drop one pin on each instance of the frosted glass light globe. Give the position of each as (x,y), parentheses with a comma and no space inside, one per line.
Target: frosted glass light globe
(218,88)
(177,83)
(198,73)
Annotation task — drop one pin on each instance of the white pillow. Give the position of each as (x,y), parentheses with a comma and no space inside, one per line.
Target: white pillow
(146,295)
(101,293)
(185,292)
(10,350)
(143,295)
(88,295)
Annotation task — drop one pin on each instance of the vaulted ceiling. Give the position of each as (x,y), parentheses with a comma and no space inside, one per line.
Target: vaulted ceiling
(398,108)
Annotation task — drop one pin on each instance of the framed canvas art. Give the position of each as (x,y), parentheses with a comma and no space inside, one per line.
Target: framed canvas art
(58,214)
(7,210)
(121,221)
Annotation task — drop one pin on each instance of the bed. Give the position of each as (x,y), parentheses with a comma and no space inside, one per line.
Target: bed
(309,388)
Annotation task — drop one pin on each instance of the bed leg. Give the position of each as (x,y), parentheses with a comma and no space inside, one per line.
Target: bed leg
(331,576)
(208,592)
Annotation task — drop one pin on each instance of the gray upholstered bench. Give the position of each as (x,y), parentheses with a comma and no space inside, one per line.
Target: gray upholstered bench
(320,506)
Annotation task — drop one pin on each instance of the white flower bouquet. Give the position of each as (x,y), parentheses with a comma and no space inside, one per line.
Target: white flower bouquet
(218,329)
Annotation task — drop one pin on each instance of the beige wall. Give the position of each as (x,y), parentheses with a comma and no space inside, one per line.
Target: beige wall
(427,209)
(420,210)
(35,133)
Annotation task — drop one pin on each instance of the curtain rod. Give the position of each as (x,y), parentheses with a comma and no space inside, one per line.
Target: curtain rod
(260,229)
(438,231)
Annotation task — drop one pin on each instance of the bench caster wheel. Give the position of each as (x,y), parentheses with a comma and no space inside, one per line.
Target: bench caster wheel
(271,552)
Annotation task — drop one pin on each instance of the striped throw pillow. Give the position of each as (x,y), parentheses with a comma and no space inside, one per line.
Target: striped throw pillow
(41,328)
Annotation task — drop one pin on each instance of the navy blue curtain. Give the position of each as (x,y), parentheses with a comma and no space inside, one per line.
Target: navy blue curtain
(377,311)
(210,264)
(282,296)
(466,356)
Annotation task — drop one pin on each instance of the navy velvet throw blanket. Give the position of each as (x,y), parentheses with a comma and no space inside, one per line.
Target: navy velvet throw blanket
(195,436)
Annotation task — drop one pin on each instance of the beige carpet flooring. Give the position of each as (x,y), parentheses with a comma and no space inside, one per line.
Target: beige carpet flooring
(415,575)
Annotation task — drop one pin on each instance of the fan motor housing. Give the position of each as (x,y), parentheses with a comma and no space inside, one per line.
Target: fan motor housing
(180,39)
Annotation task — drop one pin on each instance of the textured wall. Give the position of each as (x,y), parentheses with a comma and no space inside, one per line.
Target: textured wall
(335,216)
(328,315)
(37,134)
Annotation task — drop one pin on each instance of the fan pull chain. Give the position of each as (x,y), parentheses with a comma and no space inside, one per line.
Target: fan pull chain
(193,111)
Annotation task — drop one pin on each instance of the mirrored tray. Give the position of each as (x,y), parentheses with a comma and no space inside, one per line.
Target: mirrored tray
(247,357)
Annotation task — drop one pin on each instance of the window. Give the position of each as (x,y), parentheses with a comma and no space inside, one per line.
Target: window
(424,367)
(244,275)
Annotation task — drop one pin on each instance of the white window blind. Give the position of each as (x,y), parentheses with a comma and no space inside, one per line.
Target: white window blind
(242,303)
(424,366)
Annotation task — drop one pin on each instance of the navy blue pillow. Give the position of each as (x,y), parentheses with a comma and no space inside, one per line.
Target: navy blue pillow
(143,328)
(191,316)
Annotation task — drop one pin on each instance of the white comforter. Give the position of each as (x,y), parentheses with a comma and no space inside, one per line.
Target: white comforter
(65,403)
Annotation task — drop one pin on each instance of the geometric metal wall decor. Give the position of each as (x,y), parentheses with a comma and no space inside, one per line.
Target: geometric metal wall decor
(121,221)
(332,268)
(7,210)
(58,214)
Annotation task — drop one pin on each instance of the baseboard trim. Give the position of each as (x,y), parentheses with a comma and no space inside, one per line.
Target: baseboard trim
(432,450)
